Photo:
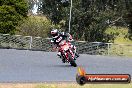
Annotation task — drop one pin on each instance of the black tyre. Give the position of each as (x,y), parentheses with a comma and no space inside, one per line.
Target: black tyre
(72,62)
(81,80)
(63,58)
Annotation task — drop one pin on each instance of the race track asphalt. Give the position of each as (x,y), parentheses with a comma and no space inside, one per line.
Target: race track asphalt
(38,66)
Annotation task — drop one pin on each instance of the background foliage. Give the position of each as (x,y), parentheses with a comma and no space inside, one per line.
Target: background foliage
(91,18)
(34,26)
(11,12)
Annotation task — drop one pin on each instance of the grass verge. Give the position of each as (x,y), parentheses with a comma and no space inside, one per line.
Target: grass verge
(63,85)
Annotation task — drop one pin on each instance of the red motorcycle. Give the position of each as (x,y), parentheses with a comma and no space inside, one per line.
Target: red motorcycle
(67,53)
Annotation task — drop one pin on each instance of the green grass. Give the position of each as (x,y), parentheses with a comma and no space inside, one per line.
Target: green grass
(122,45)
(122,40)
(121,50)
(63,85)
(120,35)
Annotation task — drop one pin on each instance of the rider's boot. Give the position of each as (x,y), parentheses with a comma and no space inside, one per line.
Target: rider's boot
(77,55)
(74,50)
(63,60)
(59,55)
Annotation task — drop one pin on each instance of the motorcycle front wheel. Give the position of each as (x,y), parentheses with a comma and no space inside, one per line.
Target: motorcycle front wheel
(72,62)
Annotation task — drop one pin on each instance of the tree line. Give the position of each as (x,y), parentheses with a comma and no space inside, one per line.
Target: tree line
(11,12)
(90,18)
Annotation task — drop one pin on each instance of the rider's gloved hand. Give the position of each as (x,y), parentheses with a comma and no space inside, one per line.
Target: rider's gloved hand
(70,40)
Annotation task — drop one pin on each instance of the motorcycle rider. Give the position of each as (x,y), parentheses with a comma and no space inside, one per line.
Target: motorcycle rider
(57,37)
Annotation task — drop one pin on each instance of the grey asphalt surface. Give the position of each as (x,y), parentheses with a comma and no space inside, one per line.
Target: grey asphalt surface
(38,66)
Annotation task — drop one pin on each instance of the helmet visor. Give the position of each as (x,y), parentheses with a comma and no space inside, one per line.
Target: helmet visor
(56,34)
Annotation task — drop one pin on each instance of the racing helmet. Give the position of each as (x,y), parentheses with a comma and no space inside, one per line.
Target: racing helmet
(54,33)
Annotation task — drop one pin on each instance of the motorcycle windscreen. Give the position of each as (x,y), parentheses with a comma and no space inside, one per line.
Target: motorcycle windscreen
(65,47)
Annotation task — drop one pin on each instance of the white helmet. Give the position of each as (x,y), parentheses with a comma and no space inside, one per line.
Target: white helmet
(54,33)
